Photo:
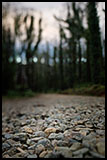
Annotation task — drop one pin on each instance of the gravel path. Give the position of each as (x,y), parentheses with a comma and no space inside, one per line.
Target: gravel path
(53,126)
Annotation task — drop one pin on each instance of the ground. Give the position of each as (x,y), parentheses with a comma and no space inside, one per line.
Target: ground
(45,101)
(53,125)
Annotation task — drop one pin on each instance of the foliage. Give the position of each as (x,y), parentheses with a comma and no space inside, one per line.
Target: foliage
(70,66)
(92,90)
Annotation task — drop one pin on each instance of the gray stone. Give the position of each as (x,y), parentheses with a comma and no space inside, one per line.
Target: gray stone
(96,155)
(39,148)
(5,146)
(39,134)
(45,142)
(75,146)
(64,151)
(8,136)
(81,151)
(62,143)
(32,156)
(54,155)
(20,137)
(56,136)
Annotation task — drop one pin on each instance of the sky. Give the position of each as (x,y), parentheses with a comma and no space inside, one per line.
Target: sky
(48,9)
(49,24)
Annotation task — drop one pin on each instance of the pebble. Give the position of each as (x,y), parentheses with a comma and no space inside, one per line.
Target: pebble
(64,151)
(39,134)
(101,147)
(56,136)
(8,136)
(50,130)
(39,149)
(32,156)
(81,151)
(76,146)
(61,132)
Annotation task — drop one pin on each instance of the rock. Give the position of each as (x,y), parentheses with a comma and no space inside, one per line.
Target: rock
(43,154)
(6,156)
(68,134)
(100,132)
(20,137)
(5,146)
(62,143)
(39,149)
(33,140)
(78,136)
(39,134)
(54,155)
(21,150)
(84,132)
(12,143)
(31,151)
(64,151)
(32,156)
(76,146)
(81,151)
(96,155)
(54,142)
(32,147)
(71,141)
(56,136)
(50,130)
(101,147)
(8,136)
(45,142)
(28,129)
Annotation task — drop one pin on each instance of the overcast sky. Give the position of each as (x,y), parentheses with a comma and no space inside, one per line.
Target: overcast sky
(50,25)
(47,10)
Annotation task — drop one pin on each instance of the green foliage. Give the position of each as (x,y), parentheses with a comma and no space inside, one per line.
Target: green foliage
(88,89)
(14,93)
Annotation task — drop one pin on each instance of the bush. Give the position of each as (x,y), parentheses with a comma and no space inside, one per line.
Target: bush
(94,90)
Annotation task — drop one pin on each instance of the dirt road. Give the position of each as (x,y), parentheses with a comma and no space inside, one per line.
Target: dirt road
(42,102)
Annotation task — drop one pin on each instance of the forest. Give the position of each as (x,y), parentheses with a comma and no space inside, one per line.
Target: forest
(68,67)
(53,80)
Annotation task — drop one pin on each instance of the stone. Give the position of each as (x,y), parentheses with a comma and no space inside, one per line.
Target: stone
(11,142)
(50,130)
(28,129)
(96,155)
(21,150)
(32,147)
(32,156)
(39,148)
(45,142)
(101,147)
(43,154)
(6,156)
(64,151)
(56,136)
(81,151)
(39,134)
(76,146)
(84,132)
(68,134)
(8,136)
(5,146)
(100,132)
(62,143)
(54,155)
(36,139)
(20,137)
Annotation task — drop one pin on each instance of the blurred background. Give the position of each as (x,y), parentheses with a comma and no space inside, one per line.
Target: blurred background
(53,47)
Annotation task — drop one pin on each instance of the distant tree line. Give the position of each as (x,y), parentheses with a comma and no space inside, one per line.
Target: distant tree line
(69,65)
